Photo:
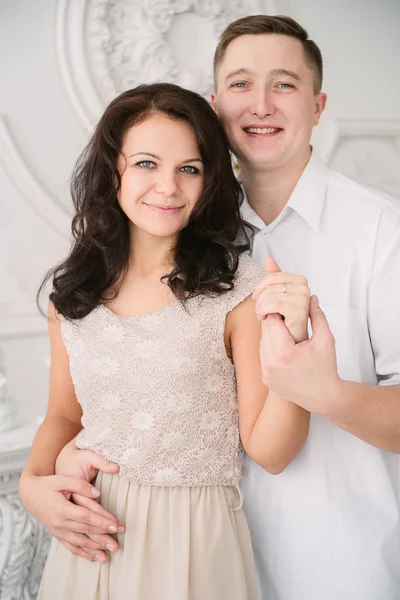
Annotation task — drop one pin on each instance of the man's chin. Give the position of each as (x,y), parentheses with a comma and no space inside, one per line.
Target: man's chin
(258,161)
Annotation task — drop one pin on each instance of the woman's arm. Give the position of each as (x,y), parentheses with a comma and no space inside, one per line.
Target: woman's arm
(272,429)
(63,417)
(45,495)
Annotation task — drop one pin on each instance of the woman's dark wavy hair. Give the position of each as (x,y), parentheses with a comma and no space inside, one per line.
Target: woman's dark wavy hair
(206,256)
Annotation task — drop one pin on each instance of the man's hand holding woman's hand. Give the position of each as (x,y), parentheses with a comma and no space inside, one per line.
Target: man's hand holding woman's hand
(287,295)
(301,370)
(82,526)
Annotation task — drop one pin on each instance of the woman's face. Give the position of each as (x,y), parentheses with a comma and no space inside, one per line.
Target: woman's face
(162,176)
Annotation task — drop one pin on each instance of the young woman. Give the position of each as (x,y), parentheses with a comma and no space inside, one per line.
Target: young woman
(156,354)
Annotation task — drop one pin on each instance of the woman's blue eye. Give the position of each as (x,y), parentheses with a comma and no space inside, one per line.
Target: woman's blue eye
(189,169)
(146,164)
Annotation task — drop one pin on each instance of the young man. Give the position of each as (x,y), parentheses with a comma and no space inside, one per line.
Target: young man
(328,527)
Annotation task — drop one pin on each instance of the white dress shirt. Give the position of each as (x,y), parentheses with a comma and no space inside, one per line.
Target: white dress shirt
(328,527)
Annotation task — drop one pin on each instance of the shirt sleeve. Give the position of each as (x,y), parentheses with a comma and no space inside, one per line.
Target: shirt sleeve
(383,301)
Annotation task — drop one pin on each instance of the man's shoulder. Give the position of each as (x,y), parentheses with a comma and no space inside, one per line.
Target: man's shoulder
(362,199)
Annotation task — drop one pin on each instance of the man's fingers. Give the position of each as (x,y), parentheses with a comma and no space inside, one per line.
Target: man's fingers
(73,484)
(91,555)
(91,505)
(92,541)
(279,336)
(89,521)
(104,541)
(77,551)
(319,322)
(85,543)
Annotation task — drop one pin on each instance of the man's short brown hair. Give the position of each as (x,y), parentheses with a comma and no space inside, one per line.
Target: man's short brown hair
(265,24)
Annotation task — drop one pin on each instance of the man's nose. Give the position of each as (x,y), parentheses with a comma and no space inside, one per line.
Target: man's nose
(262,103)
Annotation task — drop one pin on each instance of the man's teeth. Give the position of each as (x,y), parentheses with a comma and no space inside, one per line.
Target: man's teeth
(261,130)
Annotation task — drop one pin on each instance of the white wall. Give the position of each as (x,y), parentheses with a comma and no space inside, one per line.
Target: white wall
(52,91)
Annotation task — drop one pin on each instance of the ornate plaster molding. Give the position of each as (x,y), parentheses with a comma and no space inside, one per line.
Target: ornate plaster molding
(24,179)
(107,46)
(367,150)
(23,550)
(24,542)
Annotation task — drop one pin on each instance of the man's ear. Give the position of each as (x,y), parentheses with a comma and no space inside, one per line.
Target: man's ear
(320,103)
(213,97)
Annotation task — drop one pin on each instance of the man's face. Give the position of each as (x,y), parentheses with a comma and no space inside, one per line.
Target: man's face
(266,101)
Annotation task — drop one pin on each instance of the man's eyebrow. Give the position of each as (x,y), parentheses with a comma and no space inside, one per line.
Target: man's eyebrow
(285,73)
(241,71)
(273,73)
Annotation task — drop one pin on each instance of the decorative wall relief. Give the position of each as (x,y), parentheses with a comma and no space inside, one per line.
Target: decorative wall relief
(25,180)
(25,207)
(367,151)
(122,43)
(8,409)
(24,552)
(24,542)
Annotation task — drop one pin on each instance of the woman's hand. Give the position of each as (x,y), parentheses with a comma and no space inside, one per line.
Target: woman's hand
(285,294)
(46,498)
(82,464)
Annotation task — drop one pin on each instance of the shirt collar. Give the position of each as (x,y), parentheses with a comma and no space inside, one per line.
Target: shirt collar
(307,198)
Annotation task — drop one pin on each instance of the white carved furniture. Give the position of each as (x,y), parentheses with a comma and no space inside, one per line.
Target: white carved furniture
(23,541)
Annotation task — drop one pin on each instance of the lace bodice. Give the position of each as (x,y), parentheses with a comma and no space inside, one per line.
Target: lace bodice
(158,391)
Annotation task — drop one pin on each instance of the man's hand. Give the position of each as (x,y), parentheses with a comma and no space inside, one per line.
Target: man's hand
(85,464)
(45,497)
(305,373)
(284,294)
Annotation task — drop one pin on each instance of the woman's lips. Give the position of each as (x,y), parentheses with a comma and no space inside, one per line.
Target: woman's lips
(164,210)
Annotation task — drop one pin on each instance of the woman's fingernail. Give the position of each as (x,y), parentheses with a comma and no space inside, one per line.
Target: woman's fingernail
(95,492)
(110,547)
(112,528)
(315,301)
(98,558)
(121,529)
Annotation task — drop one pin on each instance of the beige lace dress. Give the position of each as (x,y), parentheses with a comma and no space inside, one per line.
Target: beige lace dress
(158,396)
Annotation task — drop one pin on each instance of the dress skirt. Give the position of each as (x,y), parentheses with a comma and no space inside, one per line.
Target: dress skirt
(180,543)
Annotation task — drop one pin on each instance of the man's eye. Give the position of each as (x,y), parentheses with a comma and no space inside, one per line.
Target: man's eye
(239,84)
(189,169)
(285,85)
(146,164)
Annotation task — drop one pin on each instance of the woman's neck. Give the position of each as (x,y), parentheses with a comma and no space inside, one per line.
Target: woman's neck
(150,254)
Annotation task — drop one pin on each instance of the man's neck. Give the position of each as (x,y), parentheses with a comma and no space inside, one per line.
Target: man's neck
(268,190)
